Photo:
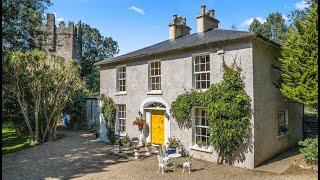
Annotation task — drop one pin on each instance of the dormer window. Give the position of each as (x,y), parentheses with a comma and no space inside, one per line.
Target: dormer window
(201,71)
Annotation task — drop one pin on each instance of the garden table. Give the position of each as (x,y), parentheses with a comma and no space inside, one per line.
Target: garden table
(173,156)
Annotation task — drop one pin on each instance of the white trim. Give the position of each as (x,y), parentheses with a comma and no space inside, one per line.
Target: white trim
(155,92)
(197,148)
(120,93)
(144,104)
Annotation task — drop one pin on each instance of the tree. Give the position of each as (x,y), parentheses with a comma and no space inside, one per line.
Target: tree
(21,22)
(95,48)
(274,28)
(256,26)
(41,85)
(299,77)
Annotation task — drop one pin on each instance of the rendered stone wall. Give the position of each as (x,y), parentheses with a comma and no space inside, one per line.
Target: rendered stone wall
(176,71)
(267,101)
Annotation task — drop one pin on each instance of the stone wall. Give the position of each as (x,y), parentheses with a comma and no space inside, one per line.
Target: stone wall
(62,39)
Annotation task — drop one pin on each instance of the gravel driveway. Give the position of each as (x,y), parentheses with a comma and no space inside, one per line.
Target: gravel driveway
(79,156)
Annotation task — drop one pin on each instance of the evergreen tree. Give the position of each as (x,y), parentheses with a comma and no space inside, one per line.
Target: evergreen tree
(21,22)
(255,26)
(95,47)
(274,28)
(299,78)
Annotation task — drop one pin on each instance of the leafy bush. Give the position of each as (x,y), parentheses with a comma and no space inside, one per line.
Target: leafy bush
(310,150)
(181,108)
(109,114)
(125,141)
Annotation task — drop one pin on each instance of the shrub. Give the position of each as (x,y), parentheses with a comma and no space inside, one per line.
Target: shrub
(125,141)
(309,150)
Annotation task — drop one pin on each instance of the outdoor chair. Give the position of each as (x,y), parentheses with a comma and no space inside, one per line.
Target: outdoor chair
(187,164)
(163,164)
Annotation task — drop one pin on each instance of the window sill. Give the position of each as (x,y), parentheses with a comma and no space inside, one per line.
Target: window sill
(121,134)
(201,90)
(197,148)
(121,93)
(282,135)
(155,92)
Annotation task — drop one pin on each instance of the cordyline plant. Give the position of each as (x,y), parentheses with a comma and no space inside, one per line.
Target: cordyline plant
(41,84)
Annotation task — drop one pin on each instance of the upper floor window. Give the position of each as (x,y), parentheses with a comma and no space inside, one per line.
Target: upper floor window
(122,118)
(201,134)
(121,79)
(201,71)
(282,116)
(155,76)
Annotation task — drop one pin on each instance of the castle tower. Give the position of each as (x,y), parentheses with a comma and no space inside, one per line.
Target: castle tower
(49,40)
(63,40)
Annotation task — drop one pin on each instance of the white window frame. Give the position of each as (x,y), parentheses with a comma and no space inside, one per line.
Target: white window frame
(195,126)
(207,72)
(121,119)
(283,122)
(159,75)
(123,79)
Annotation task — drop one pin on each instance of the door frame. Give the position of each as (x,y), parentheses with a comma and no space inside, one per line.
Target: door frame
(146,112)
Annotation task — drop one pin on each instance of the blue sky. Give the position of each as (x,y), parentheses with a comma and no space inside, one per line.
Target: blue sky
(139,23)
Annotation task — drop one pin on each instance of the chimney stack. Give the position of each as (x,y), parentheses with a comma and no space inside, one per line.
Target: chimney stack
(206,20)
(178,27)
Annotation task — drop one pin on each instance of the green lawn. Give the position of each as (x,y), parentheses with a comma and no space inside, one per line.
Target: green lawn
(12,141)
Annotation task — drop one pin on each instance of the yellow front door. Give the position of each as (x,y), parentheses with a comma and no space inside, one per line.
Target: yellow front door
(157,127)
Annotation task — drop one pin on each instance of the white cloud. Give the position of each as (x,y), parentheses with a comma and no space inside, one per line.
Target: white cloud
(302,5)
(250,20)
(136,9)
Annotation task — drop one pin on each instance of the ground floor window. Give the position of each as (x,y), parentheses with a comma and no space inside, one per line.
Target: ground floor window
(122,118)
(282,116)
(201,133)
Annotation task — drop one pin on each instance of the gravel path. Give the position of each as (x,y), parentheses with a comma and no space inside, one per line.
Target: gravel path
(79,156)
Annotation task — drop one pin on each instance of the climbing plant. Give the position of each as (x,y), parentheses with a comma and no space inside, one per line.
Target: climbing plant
(227,109)
(109,114)
(181,108)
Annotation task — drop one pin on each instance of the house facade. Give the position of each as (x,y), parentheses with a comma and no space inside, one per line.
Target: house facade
(150,79)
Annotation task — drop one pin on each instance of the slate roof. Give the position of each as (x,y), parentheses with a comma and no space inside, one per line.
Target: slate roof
(196,39)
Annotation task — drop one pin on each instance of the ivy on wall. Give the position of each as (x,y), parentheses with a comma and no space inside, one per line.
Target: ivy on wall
(227,109)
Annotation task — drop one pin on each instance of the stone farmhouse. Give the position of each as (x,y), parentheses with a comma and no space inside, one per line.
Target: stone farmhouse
(148,80)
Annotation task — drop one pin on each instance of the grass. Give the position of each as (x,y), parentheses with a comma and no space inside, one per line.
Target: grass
(12,141)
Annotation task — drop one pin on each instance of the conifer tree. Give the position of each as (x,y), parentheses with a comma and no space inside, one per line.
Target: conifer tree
(299,78)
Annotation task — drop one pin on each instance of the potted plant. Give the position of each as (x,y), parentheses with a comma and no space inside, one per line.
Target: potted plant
(173,143)
(140,123)
(148,149)
(125,141)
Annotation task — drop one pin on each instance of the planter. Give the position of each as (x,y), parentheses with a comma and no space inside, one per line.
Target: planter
(171,150)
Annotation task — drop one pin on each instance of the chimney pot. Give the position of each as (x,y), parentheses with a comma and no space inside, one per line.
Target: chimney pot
(203,9)
(211,13)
